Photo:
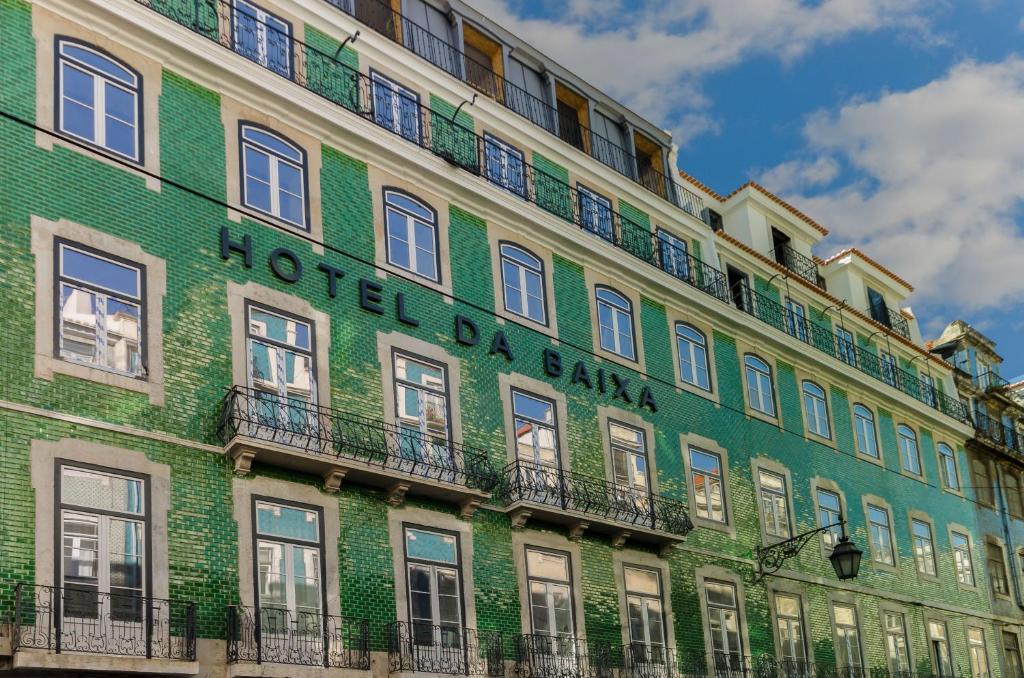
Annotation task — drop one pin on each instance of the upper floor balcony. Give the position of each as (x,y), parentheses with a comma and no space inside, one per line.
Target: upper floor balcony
(78,622)
(998,433)
(266,635)
(990,381)
(585,503)
(894,320)
(448,649)
(803,266)
(294,433)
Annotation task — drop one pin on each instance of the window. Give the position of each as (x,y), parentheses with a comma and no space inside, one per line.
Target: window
(896,643)
(411,235)
(962,559)
(881,535)
(596,213)
(846,348)
(796,320)
(104,532)
(708,489)
(615,320)
(981,478)
(864,429)
(924,547)
(504,165)
(996,569)
(435,594)
(421,395)
(273,175)
(645,610)
(848,655)
(789,620)
(724,624)
(395,108)
(947,468)
(522,278)
(887,363)
(629,464)
(693,356)
(537,446)
(99,100)
(281,370)
(1014,501)
(979,653)
(829,513)
(759,385)
(1011,652)
(289,561)
(675,259)
(262,37)
(101,320)
(816,410)
(939,642)
(930,396)
(551,596)
(910,459)
(774,504)
(879,310)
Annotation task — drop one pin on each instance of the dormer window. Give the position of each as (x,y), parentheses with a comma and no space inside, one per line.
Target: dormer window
(878,308)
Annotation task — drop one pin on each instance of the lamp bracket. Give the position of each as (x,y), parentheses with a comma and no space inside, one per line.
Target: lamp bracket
(770,559)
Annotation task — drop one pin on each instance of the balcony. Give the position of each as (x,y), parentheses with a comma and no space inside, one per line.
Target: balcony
(990,381)
(381,17)
(894,320)
(796,262)
(132,633)
(445,649)
(997,433)
(544,656)
(294,434)
(276,636)
(581,502)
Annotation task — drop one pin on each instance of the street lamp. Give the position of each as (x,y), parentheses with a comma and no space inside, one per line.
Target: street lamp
(845,556)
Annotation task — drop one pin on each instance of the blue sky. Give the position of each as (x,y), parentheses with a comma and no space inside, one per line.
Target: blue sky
(898,124)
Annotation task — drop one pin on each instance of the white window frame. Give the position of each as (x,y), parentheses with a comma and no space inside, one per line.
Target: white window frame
(411,219)
(617,306)
(898,657)
(707,491)
(395,94)
(947,463)
(829,537)
(815,401)
(692,346)
(963,559)
(513,255)
(774,505)
(843,635)
(274,160)
(865,433)
(262,18)
(290,544)
(924,548)
(505,152)
(883,543)
(791,629)
(759,384)
(904,441)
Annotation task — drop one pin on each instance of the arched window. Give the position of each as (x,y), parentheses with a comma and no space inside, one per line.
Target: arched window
(864,430)
(273,175)
(816,409)
(759,385)
(411,234)
(615,320)
(522,279)
(947,467)
(693,356)
(99,100)
(910,458)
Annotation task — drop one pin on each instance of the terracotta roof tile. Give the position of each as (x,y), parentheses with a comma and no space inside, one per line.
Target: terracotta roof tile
(774,198)
(701,185)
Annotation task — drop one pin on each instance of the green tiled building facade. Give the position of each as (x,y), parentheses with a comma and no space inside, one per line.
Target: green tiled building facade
(261,428)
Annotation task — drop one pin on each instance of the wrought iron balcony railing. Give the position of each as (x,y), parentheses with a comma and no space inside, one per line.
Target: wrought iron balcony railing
(997,432)
(381,17)
(894,320)
(771,312)
(545,656)
(330,433)
(344,86)
(797,263)
(447,649)
(990,381)
(78,619)
(277,636)
(547,486)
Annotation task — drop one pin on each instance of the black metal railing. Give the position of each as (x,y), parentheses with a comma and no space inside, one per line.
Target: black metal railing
(327,432)
(322,74)
(80,619)
(380,16)
(567,490)
(651,661)
(803,266)
(278,636)
(545,656)
(824,339)
(997,432)
(443,648)
(990,381)
(894,320)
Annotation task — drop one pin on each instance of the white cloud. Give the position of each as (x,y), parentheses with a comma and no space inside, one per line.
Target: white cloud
(798,174)
(652,57)
(938,183)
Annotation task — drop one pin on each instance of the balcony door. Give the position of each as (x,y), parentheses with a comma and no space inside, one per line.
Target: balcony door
(538,459)
(646,614)
(289,585)
(103,572)
(421,394)
(551,649)
(281,376)
(262,37)
(632,474)
(436,637)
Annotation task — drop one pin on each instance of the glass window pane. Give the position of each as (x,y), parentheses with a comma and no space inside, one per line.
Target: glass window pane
(547,565)
(287,521)
(102,491)
(642,581)
(99,271)
(433,546)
